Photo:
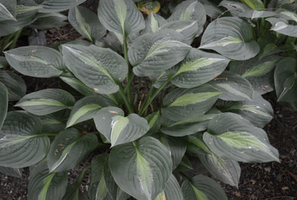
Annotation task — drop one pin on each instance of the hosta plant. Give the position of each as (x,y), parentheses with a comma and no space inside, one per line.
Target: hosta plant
(275,30)
(143,102)
(19,17)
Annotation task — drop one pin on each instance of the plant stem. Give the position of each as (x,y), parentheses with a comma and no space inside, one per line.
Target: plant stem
(147,103)
(15,39)
(130,76)
(82,174)
(6,41)
(147,96)
(128,105)
(184,176)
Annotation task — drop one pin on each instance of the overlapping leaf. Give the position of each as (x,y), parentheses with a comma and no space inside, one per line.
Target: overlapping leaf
(153,53)
(231,136)
(24,15)
(189,104)
(47,21)
(57,5)
(73,191)
(197,68)
(282,26)
(117,129)
(78,85)
(86,108)
(120,16)
(7,10)
(183,128)
(141,168)
(3,103)
(45,185)
(46,101)
(15,85)
(86,23)
(233,87)
(257,110)
(259,72)
(202,187)
(98,68)
(188,28)
(69,148)
(22,143)
(231,37)
(226,170)
(285,78)
(36,61)
(190,10)
(97,189)
(177,148)
(153,22)
(196,145)
(241,10)
(14,172)
(3,62)
(55,122)
(172,190)
(114,191)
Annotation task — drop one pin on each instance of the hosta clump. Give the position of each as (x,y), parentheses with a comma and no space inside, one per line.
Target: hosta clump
(191,107)
(274,68)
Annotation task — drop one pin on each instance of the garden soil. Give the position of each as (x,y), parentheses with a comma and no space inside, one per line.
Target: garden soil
(265,181)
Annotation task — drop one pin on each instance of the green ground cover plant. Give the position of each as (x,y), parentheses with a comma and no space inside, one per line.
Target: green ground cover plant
(203,101)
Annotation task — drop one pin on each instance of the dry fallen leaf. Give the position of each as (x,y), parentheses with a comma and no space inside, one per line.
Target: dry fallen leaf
(267,169)
(237,193)
(285,188)
(253,181)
